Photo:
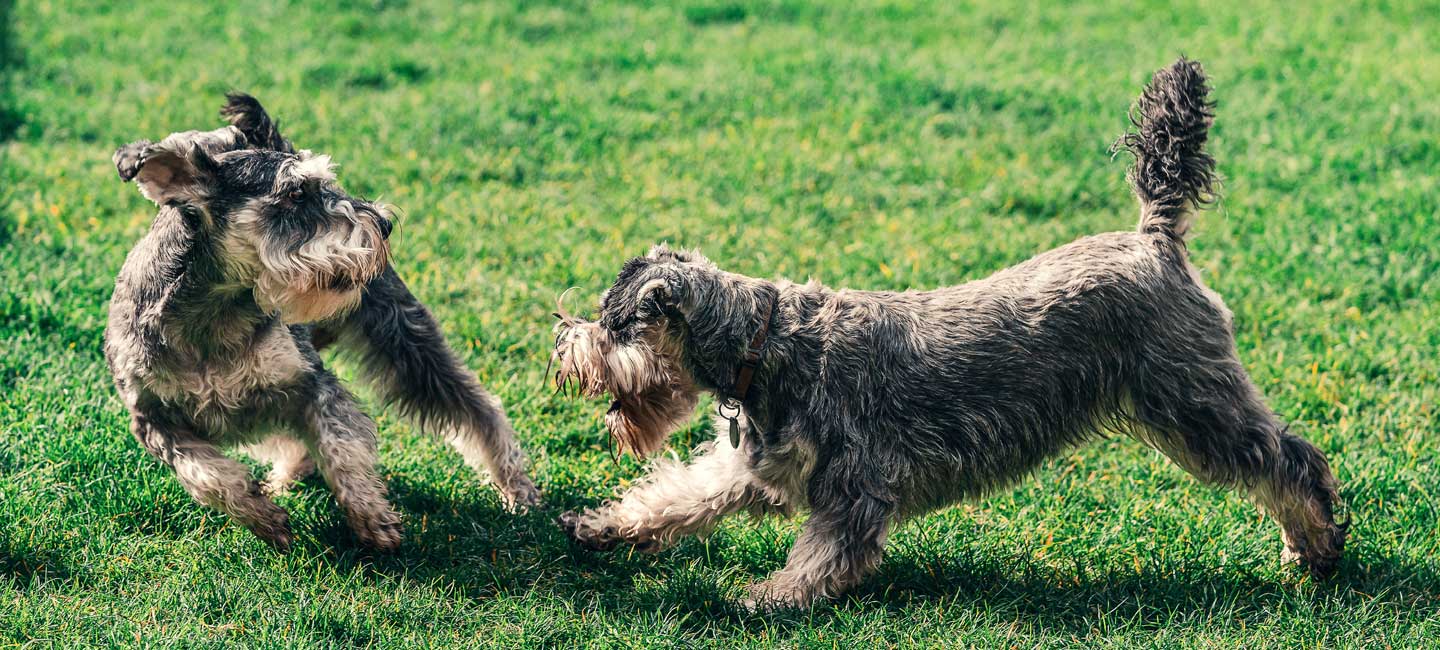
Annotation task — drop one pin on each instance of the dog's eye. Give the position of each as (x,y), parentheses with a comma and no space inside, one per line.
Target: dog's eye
(296,195)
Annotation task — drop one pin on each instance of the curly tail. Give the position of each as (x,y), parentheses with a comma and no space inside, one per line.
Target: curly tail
(1172,176)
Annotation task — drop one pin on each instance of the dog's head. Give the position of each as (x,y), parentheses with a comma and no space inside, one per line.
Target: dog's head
(652,293)
(634,351)
(276,219)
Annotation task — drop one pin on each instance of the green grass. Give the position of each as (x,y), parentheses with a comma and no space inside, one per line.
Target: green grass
(873,145)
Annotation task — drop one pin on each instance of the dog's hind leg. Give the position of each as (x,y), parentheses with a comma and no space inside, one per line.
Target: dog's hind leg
(1209,418)
(406,358)
(674,500)
(342,442)
(215,479)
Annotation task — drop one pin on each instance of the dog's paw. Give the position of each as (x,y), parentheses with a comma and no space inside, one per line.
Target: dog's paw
(382,532)
(1319,553)
(1322,568)
(520,495)
(774,595)
(588,536)
(568,521)
(274,529)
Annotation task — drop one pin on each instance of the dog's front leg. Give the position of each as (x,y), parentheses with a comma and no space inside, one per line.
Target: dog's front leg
(215,479)
(408,361)
(674,500)
(342,441)
(841,543)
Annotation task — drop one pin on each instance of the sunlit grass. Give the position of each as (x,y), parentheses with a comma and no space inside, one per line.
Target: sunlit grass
(533,147)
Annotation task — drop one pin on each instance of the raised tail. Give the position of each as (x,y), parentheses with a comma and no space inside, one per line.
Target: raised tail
(1172,176)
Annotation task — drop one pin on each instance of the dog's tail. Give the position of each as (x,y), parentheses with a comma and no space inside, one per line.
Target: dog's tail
(1172,176)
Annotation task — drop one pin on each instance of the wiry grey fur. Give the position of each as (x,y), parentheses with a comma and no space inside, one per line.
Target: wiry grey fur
(872,407)
(256,259)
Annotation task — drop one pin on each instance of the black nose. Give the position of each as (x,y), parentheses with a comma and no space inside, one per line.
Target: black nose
(385,227)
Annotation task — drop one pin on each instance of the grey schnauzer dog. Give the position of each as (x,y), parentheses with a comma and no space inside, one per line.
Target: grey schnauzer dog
(255,261)
(867,408)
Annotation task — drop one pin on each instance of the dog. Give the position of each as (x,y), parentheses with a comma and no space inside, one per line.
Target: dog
(256,260)
(868,408)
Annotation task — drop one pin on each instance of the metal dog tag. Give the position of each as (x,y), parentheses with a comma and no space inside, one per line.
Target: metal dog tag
(733,406)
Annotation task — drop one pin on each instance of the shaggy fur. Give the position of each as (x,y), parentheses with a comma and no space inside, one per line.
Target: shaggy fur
(255,260)
(872,407)
(652,394)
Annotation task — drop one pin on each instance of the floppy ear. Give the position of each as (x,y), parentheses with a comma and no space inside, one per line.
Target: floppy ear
(246,114)
(128,158)
(659,296)
(657,290)
(174,171)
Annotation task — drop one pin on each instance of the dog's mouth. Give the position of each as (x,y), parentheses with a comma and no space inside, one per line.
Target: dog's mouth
(312,299)
(325,277)
(651,393)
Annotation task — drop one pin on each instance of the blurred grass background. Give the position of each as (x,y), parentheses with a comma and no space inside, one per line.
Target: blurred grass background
(877,144)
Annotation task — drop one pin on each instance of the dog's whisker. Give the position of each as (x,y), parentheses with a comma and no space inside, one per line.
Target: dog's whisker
(549,360)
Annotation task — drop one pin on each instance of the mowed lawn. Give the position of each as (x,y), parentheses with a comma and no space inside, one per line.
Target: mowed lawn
(534,147)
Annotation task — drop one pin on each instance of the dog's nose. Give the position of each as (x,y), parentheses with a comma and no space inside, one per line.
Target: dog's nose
(385,227)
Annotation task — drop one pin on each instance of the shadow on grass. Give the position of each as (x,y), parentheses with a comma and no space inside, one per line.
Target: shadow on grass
(1068,602)
(1075,600)
(26,566)
(484,552)
(683,580)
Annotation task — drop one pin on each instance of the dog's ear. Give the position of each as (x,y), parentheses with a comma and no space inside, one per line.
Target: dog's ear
(175,171)
(129,158)
(644,291)
(661,295)
(658,293)
(245,113)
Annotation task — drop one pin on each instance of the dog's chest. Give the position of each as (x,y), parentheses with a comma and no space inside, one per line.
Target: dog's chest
(782,470)
(213,388)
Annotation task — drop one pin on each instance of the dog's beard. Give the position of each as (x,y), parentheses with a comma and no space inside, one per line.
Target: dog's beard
(297,305)
(652,394)
(326,276)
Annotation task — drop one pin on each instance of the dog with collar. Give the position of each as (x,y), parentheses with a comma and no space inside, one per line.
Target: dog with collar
(868,408)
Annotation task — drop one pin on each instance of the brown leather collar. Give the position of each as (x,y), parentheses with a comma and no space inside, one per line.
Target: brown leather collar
(753,354)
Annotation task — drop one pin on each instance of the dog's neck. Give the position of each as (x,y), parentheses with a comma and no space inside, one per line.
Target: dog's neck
(724,314)
(194,307)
